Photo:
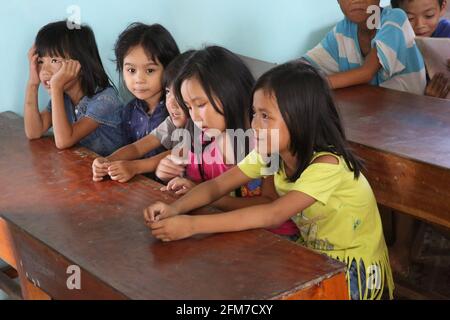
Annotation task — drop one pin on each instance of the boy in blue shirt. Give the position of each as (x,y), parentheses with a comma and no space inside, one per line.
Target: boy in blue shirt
(356,52)
(427,19)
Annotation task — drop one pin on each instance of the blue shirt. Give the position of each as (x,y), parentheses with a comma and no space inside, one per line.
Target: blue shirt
(402,63)
(137,123)
(442,30)
(105,108)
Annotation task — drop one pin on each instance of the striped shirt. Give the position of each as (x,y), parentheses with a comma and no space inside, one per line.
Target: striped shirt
(402,64)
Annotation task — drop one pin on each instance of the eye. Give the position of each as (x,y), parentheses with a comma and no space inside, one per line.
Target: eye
(429,16)
(54,60)
(201,106)
(264,116)
(149,71)
(40,61)
(131,70)
(167,91)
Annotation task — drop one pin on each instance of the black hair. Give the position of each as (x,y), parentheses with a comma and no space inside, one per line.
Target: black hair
(157,42)
(223,75)
(173,69)
(308,109)
(56,39)
(398,3)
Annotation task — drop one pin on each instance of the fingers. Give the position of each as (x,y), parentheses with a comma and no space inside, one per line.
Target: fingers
(150,214)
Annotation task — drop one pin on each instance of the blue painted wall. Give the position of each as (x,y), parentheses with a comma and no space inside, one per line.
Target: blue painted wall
(270,30)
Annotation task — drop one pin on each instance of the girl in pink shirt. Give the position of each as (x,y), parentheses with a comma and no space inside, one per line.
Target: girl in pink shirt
(215,87)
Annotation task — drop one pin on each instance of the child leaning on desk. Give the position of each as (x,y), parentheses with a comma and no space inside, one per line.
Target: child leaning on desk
(84,107)
(130,160)
(318,180)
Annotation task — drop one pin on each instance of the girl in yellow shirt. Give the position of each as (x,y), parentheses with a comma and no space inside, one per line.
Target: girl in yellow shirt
(301,143)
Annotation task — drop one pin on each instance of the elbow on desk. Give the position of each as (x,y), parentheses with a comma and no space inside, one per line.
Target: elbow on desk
(62,145)
(32,135)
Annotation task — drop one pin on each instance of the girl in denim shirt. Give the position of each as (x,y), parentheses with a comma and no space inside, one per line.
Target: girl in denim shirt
(84,107)
(142,54)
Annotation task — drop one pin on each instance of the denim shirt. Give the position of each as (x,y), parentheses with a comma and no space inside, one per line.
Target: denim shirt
(137,123)
(104,108)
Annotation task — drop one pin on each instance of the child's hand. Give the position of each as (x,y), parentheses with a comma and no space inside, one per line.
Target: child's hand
(438,87)
(122,171)
(181,186)
(99,169)
(169,168)
(159,211)
(33,78)
(69,71)
(176,228)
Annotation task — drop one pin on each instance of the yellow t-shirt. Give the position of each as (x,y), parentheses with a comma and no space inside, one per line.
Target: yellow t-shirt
(344,222)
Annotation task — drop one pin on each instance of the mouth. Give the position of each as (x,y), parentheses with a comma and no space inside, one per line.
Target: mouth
(140,91)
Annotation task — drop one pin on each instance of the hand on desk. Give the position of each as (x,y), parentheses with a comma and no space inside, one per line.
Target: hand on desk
(179,185)
(438,87)
(122,171)
(169,168)
(100,169)
(166,224)
(171,229)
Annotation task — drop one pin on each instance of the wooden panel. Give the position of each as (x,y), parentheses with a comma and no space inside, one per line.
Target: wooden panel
(411,126)
(408,186)
(404,141)
(61,217)
(6,247)
(329,289)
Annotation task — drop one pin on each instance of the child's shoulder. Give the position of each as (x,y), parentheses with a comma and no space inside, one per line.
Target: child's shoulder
(106,96)
(393,15)
(443,29)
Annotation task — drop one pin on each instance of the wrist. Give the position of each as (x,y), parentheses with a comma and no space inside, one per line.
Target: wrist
(33,85)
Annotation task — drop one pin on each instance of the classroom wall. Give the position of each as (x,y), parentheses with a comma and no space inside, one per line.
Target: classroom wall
(275,31)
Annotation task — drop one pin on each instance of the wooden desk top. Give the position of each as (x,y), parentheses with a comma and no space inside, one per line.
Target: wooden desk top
(411,126)
(49,195)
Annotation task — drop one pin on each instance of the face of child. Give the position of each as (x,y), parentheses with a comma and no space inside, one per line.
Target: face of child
(143,76)
(424,15)
(176,113)
(200,108)
(269,124)
(356,10)
(47,68)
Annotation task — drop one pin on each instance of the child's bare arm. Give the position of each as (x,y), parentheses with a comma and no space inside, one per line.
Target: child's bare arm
(36,123)
(202,195)
(361,75)
(66,134)
(263,216)
(229,203)
(124,171)
(136,150)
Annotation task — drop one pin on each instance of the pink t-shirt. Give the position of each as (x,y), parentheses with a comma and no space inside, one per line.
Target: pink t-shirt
(211,165)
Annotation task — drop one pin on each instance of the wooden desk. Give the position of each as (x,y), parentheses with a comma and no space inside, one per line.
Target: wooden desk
(404,140)
(58,217)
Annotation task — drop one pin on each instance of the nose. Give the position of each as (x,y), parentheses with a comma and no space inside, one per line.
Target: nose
(195,115)
(140,77)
